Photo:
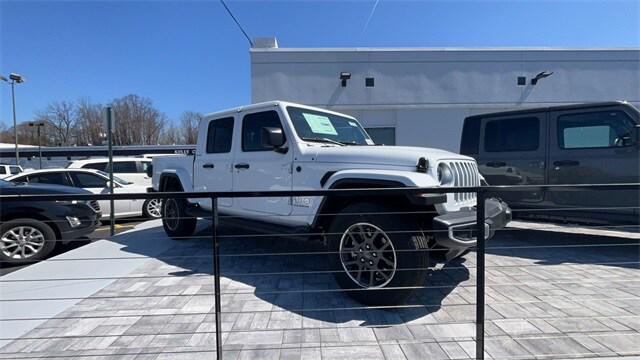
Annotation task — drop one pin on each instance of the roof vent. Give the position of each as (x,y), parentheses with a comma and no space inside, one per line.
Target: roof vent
(265,42)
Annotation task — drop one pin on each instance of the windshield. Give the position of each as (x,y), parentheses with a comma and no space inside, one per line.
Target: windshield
(115,178)
(15,169)
(320,126)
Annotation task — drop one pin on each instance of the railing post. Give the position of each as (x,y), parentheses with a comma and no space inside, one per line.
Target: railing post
(216,276)
(480,248)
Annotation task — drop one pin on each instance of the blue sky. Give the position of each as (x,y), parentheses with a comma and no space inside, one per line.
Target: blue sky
(189,55)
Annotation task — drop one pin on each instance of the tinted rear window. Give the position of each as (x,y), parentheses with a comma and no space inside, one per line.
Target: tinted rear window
(470,142)
(96,166)
(517,134)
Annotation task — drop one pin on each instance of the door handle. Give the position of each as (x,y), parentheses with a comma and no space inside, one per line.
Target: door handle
(566,163)
(496,164)
(241,166)
(208,166)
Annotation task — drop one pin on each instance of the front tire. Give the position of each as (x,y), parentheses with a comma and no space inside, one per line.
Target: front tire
(25,240)
(175,221)
(376,256)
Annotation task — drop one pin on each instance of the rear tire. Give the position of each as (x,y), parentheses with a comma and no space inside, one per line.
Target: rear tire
(377,251)
(152,209)
(175,221)
(25,240)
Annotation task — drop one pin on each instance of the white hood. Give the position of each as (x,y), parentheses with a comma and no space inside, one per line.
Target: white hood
(382,155)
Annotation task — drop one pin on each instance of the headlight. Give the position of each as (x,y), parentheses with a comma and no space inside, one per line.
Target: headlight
(445,175)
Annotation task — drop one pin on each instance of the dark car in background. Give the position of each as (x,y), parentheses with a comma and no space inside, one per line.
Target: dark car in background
(30,230)
(596,143)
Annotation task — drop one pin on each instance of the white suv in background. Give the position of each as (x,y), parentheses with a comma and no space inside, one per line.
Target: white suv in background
(133,169)
(8,170)
(128,168)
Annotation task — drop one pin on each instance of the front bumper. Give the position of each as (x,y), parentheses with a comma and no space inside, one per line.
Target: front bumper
(456,231)
(89,221)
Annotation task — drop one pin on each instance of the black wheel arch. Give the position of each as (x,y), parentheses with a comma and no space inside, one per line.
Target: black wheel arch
(170,182)
(33,214)
(331,205)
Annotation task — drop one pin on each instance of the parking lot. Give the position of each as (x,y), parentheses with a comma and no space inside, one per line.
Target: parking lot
(549,294)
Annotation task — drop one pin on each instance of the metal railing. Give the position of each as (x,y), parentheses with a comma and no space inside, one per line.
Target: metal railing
(482,193)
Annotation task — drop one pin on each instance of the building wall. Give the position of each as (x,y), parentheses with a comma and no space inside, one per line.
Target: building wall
(426,93)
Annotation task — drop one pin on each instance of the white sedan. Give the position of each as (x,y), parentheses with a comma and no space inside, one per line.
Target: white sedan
(97,182)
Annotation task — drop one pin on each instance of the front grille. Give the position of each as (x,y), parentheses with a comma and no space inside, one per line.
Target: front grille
(465,173)
(95,205)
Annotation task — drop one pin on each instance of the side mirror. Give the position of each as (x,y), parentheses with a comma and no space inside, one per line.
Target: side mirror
(272,137)
(149,170)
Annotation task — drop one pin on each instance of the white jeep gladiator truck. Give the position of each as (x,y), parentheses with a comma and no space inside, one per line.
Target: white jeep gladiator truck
(376,243)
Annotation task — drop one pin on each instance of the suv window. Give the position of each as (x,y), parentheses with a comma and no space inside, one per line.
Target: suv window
(252,125)
(517,134)
(55,178)
(144,165)
(15,170)
(470,142)
(2,170)
(600,129)
(102,166)
(220,135)
(124,167)
(88,180)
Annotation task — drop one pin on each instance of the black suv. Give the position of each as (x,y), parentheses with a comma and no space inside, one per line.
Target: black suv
(29,230)
(597,143)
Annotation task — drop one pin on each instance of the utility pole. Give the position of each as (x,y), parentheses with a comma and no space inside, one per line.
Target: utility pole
(38,125)
(15,78)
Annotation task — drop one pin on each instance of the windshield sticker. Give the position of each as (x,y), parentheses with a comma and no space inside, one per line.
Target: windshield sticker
(352,123)
(320,124)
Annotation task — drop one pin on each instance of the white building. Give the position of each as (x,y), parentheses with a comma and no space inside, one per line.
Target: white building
(421,96)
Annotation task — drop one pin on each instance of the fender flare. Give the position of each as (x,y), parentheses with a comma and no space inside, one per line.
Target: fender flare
(179,174)
(376,179)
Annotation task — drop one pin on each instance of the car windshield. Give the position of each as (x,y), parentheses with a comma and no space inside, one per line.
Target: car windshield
(319,126)
(115,178)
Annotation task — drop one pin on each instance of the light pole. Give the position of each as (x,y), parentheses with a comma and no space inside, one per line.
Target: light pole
(15,78)
(38,125)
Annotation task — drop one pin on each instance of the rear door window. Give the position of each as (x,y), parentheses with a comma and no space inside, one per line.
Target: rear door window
(124,167)
(220,136)
(470,143)
(54,178)
(508,135)
(96,166)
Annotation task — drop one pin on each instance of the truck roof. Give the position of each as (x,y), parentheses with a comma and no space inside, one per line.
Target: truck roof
(553,108)
(265,104)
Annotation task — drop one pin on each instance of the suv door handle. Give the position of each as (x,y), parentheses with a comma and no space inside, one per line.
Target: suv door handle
(496,164)
(241,166)
(566,163)
(208,166)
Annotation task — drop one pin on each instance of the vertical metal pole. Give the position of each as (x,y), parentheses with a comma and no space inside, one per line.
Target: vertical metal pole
(109,115)
(15,125)
(40,145)
(480,248)
(216,277)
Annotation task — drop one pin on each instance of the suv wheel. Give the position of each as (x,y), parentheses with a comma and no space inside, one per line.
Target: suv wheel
(25,240)
(152,208)
(174,219)
(376,257)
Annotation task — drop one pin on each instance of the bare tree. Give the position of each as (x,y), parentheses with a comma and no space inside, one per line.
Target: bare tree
(171,136)
(89,122)
(137,121)
(189,121)
(60,117)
